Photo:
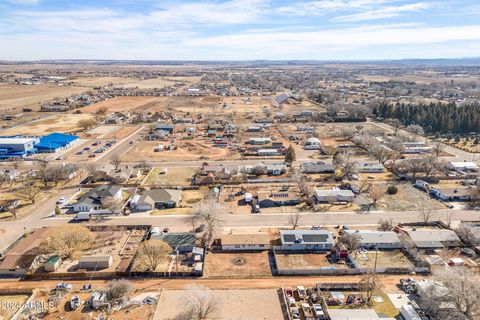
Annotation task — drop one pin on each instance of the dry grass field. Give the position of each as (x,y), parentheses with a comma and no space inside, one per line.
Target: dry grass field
(57,123)
(233,304)
(186,151)
(224,265)
(173,177)
(10,304)
(408,198)
(385,259)
(31,96)
(307,261)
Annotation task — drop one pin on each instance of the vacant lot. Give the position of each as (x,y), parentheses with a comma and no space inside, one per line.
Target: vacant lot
(32,96)
(385,259)
(235,304)
(237,265)
(58,123)
(121,104)
(10,304)
(407,198)
(185,151)
(173,177)
(112,132)
(307,261)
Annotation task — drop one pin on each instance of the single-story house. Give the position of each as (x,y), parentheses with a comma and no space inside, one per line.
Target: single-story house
(333,195)
(237,242)
(452,194)
(377,239)
(321,240)
(465,166)
(259,140)
(435,238)
(371,168)
(312,144)
(170,128)
(270,199)
(317,167)
(93,199)
(267,152)
(7,204)
(95,262)
(181,241)
(156,199)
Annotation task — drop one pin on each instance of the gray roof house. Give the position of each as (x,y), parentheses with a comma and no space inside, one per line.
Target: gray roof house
(431,239)
(156,198)
(317,167)
(377,239)
(333,195)
(306,240)
(92,200)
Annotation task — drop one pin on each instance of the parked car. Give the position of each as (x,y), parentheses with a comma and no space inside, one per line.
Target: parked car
(256,208)
(63,286)
(62,200)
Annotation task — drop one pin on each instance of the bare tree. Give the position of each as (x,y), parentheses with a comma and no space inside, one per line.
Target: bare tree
(13,210)
(28,191)
(375,193)
(438,148)
(347,163)
(457,288)
(302,183)
(112,204)
(193,220)
(294,220)
(67,242)
(370,284)
(465,233)
(351,241)
(385,225)
(116,161)
(200,305)
(210,211)
(86,124)
(416,130)
(118,290)
(413,165)
(425,215)
(153,252)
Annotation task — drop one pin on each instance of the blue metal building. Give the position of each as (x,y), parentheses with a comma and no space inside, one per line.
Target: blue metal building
(55,141)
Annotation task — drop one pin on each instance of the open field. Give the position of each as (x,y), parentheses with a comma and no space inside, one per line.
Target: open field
(304,261)
(407,198)
(385,259)
(185,151)
(99,81)
(173,177)
(233,304)
(225,265)
(150,84)
(112,132)
(31,96)
(122,104)
(58,123)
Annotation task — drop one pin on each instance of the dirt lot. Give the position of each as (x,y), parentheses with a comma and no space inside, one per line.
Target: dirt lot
(18,97)
(408,198)
(56,123)
(9,305)
(226,265)
(173,177)
(385,259)
(186,151)
(307,261)
(121,104)
(232,304)
(112,132)
(62,309)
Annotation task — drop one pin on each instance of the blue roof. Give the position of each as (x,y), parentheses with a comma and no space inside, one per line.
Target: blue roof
(55,140)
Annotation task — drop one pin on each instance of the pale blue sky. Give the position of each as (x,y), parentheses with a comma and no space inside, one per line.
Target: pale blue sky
(239,29)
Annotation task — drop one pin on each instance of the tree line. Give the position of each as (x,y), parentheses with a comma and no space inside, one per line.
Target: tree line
(434,117)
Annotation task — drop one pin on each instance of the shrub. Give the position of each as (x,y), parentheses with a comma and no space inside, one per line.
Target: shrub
(392,190)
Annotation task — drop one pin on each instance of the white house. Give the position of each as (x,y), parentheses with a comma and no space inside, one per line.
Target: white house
(377,239)
(321,240)
(93,199)
(312,144)
(245,242)
(259,141)
(371,168)
(465,166)
(335,195)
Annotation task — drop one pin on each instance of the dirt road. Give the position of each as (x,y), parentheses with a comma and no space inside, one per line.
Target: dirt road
(389,283)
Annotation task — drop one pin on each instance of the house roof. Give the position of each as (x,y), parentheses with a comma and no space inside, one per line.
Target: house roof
(96,194)
(55,140)
(426,236)
(176,240)
(240,239)
(334,193)
(159,195)
(305,236)
(281,98)
(368,236)
(461,164)
(95,258)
